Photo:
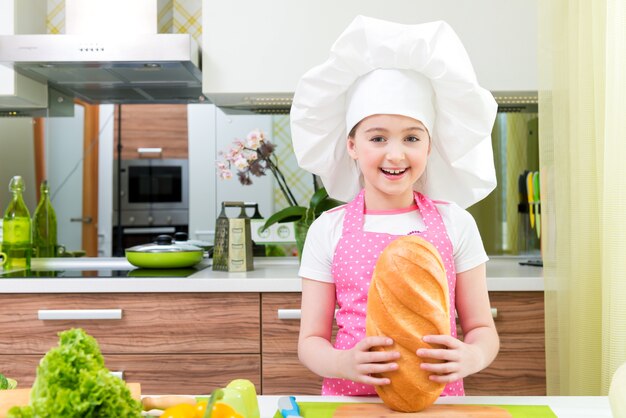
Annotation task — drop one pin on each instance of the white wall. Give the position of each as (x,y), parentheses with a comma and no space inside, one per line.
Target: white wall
(269,45)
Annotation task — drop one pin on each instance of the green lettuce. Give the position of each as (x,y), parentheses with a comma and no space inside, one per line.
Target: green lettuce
(72,381)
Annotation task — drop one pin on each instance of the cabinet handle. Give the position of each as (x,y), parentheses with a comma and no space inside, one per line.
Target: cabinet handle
(73,314)
(293,313)
(119,374)
(297,314)
(150,150)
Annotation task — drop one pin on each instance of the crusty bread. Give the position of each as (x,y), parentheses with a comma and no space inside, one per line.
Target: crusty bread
(408,298)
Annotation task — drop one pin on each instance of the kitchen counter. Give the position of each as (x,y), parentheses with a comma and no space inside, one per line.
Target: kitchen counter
(270,275)
(562,406)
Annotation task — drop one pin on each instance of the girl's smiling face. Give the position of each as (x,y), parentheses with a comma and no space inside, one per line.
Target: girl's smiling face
(391,151)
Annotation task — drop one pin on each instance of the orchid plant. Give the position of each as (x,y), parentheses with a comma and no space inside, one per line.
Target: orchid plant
(253,157)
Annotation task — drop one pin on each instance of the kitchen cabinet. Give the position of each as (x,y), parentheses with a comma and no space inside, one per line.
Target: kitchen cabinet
(177,343)
(520,367)
(282,371)
(182,343)
(153,131)
(518,370)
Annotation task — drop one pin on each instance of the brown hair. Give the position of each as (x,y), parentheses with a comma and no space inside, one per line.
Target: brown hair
(352,132)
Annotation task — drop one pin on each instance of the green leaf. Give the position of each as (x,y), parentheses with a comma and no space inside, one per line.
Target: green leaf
(327,204)
(289,214)
(318,197)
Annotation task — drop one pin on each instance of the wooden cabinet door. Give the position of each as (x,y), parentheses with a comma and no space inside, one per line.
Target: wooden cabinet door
(282,370)
(207,323)
(520,367)
(162,126)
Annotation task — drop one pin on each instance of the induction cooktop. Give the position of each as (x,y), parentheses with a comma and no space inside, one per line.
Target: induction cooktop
(88,273)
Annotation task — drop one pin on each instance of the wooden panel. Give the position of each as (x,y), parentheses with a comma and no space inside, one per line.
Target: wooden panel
(520,367)
(158,374)
(279,335)
(282,370)
(511,374)
(151,323)
(153,126)
(284,374)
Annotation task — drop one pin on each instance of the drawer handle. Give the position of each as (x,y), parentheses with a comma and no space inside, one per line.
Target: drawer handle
(150,150)
(297,314)
(119,374)
(65,314)
(293,313)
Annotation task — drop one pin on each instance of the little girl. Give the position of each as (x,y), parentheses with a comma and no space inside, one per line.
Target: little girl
(396,124)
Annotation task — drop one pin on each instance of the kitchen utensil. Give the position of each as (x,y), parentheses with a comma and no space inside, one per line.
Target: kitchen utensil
(233,241)
(164,253)
(288,407)
(529,189)
(164,402)
(434,411)
(21,397)
(537,201)
(523,194)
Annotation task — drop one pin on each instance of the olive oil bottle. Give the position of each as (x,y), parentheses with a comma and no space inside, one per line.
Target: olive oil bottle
(16,241)
(44,225)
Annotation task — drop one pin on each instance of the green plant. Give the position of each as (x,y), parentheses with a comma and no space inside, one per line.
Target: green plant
(320,202)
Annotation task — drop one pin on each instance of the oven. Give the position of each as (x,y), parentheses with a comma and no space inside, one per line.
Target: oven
(153,184)
(151,198)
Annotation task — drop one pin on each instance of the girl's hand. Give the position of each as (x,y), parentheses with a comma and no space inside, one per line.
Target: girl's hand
(460,359)
(358,363)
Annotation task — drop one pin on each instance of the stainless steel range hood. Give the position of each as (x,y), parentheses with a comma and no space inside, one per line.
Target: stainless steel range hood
(140,68)
(110,53)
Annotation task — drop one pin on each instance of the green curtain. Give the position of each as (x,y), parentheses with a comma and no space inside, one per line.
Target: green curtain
(582,100)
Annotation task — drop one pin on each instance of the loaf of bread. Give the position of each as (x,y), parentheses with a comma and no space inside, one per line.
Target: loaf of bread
(408,298)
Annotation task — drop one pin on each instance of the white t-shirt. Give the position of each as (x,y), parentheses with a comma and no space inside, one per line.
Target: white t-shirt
(325,232)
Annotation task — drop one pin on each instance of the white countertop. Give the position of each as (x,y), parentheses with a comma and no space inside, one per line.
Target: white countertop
(562,406)
(270,274)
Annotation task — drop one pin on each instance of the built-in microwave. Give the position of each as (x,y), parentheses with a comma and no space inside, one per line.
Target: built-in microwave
(153,192)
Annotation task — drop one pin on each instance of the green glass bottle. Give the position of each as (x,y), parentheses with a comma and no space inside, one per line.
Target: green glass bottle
(16,242)
(44,225)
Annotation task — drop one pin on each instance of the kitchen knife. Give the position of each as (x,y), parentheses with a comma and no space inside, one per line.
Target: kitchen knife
(537,200)
(529,188)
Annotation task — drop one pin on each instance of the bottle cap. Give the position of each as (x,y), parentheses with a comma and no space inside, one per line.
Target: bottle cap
(16,184)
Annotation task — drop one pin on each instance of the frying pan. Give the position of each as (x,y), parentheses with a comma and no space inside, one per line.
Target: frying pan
(164,254)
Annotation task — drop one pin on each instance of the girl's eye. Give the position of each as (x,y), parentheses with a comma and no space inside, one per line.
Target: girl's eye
(377,139)
(412,139)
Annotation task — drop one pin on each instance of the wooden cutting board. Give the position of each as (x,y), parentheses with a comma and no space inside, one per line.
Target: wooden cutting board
(433,411)
(21,397)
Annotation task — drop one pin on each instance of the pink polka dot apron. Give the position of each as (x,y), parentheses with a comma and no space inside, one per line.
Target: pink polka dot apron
(353,264)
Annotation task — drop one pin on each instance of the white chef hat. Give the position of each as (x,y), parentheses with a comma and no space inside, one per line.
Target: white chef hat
(421,71)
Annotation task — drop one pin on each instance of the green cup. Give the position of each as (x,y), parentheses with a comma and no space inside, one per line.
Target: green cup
(234,399)
(248,392)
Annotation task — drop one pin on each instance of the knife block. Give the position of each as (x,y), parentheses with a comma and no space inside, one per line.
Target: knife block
(233,241)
